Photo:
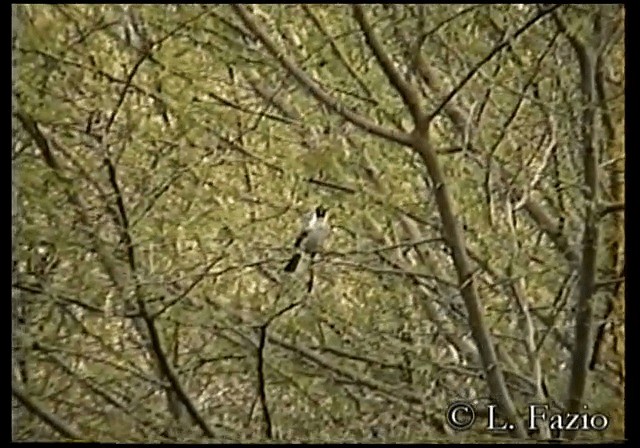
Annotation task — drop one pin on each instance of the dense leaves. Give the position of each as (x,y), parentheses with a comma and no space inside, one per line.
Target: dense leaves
(163,156)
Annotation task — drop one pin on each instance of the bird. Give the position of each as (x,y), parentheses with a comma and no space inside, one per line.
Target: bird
(315,231)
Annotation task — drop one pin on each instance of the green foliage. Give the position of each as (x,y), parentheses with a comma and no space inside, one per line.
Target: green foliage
(214,150)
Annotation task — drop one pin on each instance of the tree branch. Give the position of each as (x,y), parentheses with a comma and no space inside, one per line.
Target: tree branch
(507,41)
(171,376)
(612,208)
(584,307)
(454,237)
(316,91)
(38,409)
(409,93)
(262,393)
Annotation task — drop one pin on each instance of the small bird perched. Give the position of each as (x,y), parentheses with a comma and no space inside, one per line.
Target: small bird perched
(314,233)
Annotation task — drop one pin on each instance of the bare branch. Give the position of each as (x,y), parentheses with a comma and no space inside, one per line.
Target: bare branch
(171,375)
(408,92)
(337,50)
(612,208)
(507,41)
(584,308)
(454,238)
(537,175)
(261,383)
(38,409)
(323,97)
(350,374)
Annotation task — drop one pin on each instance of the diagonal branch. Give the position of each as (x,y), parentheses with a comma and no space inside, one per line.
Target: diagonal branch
(337,51)
(147,54)
(454,238)
(171,375)
(505,43)
(108,397)
(408,92)
(312,86)
(357,377)
(537,175)
(32,128)
(38,409)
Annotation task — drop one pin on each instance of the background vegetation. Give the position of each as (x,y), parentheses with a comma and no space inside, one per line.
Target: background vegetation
(471,156)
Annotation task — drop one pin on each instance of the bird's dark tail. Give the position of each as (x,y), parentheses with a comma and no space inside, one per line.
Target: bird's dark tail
(293,263)
(310,282)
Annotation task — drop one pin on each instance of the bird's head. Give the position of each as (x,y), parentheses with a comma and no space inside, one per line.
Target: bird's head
(321,212)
